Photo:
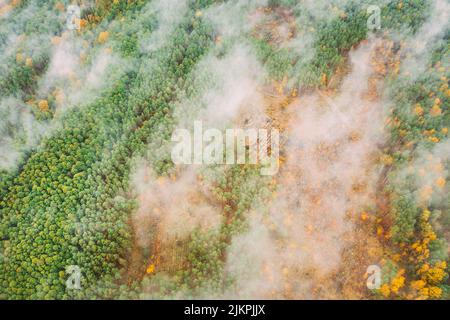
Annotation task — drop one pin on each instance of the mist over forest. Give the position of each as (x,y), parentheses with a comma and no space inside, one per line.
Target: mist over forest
(353,202)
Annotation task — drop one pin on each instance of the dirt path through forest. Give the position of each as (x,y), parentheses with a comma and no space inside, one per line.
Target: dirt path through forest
(323,216)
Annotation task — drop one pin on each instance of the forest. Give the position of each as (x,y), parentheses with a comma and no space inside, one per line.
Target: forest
(92,205)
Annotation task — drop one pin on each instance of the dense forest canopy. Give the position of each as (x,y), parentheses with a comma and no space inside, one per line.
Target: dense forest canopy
(92,205)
